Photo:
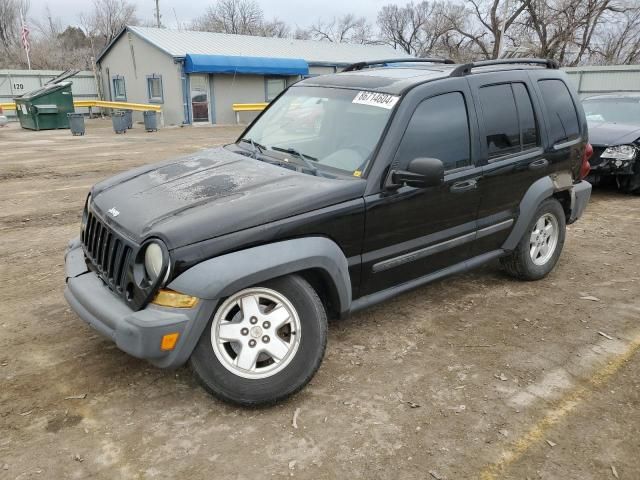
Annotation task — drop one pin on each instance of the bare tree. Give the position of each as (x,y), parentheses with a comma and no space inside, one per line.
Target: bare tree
(10,47)
(275,28)
(401,27)
(242,17)
(565,29)
(484,23)
(345,29)
(424,29)
(107,19)
(619,41)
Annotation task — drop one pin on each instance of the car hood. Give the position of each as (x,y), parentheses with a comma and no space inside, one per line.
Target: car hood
(607,133)
(209,194)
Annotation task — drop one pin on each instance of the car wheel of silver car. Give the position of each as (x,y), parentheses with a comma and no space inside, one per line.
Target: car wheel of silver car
(263,343)
(540,247)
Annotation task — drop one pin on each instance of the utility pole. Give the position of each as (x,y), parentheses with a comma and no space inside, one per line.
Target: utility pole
(158,13)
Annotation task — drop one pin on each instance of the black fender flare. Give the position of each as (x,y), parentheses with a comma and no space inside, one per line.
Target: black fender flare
(221,276)
(540,190)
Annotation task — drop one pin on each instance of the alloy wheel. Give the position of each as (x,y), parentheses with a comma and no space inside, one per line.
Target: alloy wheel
(255,333)
(544,239)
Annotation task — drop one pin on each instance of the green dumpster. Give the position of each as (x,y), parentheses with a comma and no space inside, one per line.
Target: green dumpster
(45,108)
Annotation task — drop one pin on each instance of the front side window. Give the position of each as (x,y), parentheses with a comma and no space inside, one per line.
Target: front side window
(332,128)
(563,118)
(154,88)
(119,91)
(273,87)
(438,129)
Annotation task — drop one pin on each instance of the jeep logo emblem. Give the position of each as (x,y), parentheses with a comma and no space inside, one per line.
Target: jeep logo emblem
(113,211)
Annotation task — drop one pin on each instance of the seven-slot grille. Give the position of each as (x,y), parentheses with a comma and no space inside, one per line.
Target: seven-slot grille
(107,251)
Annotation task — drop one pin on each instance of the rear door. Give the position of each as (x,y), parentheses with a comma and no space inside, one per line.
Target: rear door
(513,156)
(411,232)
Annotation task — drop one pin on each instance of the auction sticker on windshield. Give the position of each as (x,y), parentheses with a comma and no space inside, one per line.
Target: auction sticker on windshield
(374,99)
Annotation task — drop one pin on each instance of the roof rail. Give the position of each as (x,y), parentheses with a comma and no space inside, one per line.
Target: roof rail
(466,68)
(361,65)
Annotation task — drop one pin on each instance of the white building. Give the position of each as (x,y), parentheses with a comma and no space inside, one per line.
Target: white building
(197,76)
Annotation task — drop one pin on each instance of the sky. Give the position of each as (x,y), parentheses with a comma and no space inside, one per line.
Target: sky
(293,12)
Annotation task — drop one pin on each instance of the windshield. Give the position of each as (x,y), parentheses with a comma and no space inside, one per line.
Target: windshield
(615,110)
(327,128)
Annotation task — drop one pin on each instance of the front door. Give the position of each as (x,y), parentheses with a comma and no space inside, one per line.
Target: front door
(412,232)
(199,97)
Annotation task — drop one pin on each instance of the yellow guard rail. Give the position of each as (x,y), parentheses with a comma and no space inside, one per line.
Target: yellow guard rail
(140,107)
(247,107)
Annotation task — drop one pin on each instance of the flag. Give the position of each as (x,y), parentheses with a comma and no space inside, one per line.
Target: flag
(25,37)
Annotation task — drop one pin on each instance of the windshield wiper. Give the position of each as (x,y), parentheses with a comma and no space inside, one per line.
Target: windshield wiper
(257,148)
(301,156)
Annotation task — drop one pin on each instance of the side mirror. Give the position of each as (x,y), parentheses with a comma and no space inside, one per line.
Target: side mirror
(421,173)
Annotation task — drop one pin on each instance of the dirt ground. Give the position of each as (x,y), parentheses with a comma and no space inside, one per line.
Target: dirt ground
(476,376)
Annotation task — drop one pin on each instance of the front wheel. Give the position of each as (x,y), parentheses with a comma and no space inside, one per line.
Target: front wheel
(540,247)
(264,343)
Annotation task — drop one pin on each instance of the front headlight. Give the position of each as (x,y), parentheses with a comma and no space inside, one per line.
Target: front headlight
(620,152)
(154,261)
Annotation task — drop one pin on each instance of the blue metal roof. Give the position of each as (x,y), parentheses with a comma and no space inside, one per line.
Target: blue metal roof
(199,63)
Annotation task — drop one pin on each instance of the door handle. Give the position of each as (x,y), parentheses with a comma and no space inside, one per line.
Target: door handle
(537,164)
(464,186)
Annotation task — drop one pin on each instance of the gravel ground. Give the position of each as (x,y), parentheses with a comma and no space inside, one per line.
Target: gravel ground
(476,376)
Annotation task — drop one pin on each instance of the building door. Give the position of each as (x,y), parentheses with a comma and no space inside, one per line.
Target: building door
(199,97)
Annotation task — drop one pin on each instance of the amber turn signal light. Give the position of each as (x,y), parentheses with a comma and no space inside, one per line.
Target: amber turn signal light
(169,341)
(169,298)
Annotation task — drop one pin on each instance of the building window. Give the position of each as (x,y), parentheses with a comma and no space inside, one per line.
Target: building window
(273,87)
(154,88)
(119,90)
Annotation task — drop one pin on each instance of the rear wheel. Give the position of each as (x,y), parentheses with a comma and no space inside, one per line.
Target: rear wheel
(540,247)
(263,343)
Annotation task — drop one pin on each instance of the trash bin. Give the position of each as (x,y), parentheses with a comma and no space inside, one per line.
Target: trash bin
(76,123)
(45,108)
(128,115)
(150,121)
(119,121)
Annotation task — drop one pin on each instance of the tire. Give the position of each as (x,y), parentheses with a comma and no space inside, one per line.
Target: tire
(274,374)
(525,263)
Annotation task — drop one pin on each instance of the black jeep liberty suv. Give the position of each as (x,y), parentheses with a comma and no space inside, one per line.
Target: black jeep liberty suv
(347,190)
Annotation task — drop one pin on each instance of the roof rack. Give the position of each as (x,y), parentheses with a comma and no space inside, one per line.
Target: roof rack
(466,68)
(362,65)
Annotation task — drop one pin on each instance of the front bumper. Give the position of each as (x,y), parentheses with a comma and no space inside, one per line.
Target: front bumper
(580,195)
(138,333)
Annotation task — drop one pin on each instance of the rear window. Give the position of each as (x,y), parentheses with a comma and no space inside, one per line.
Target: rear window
(563,118)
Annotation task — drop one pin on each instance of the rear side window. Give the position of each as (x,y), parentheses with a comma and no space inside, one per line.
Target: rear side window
(439,129)
(528,128)
(563,118)
(509,121)
(500,120)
